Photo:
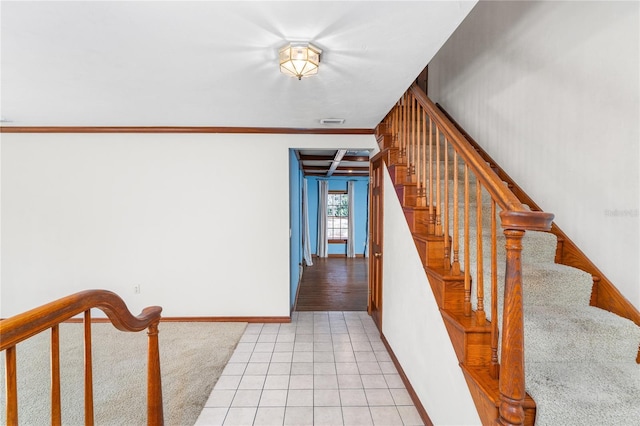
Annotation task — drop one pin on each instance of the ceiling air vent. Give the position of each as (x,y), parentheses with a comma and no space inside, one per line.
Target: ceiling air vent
(332,121)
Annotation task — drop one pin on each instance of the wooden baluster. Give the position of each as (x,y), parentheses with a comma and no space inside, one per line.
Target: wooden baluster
(394,124)
(154,381)
(447,247)
(400,111)
(405,128)
(481,315)
(405,125)
(412,134)
(390,127)
(494,369)
(455,266)
(397,125)
(88,371)
(418,159)
(467,274)
(411,138)
(512,385)
(424,156)
(386,121)
(414,124)
(438,177)
(390,120)
(398,122)
(56,412)
(432,217)
(12,386)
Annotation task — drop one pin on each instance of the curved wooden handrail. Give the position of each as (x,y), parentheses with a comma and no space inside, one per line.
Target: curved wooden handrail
(20,327)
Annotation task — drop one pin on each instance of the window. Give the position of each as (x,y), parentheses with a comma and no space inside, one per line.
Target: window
(337,216)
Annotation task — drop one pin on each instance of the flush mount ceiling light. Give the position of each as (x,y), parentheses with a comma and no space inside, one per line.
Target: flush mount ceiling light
(299,60)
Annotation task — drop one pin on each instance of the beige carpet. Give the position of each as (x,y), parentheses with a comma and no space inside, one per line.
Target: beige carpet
(192,357)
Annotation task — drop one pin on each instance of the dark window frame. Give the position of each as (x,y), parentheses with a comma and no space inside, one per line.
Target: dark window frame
(345,206)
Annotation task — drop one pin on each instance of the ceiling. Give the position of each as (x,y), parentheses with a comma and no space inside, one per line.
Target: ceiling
(212,63)
(336,162)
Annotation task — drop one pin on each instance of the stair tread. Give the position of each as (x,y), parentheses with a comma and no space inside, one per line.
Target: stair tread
(597,392)
(444,274)
(426,237)
(489,385)
(578,333)
(415,208)
(467,323)
(399,185)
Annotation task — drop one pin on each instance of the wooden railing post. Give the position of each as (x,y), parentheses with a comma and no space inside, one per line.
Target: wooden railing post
(88,370)
(154,381)
(512,386)
(12,386)
(56,403)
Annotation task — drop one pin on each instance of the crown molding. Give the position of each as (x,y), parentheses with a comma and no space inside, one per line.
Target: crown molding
(138,129)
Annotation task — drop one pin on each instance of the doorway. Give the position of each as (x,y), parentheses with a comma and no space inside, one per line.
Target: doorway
(336,282)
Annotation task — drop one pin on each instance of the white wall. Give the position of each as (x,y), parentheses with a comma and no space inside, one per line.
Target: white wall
(551,91)
(413,325)
(199,221)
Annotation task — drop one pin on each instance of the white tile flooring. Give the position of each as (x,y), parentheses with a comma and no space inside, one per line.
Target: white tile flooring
(324,368)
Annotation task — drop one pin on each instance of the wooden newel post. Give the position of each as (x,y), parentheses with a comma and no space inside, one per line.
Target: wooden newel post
(154,381)
(512,383)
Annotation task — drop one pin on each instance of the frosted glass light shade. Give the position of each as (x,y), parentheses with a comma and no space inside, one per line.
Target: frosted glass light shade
(299,60)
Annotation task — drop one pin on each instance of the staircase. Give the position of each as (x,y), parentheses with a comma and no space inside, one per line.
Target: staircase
(482,241)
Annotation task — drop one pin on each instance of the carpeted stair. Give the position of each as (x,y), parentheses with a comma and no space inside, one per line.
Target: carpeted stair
(580,361)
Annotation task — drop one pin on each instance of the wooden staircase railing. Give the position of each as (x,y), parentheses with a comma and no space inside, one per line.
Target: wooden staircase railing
(604,294)
(442,182)
(21,327)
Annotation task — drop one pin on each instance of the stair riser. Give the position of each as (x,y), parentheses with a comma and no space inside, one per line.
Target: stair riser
(417,220)
(407,195)
(432,252)
(391,156)
(472,348)
(398,174)
(448,292)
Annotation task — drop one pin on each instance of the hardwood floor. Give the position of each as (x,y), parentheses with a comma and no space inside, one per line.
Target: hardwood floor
(334,284)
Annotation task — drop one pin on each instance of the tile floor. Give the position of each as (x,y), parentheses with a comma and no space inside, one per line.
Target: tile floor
(324,368)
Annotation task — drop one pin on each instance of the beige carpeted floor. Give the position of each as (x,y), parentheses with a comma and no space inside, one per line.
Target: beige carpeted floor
(192,356)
